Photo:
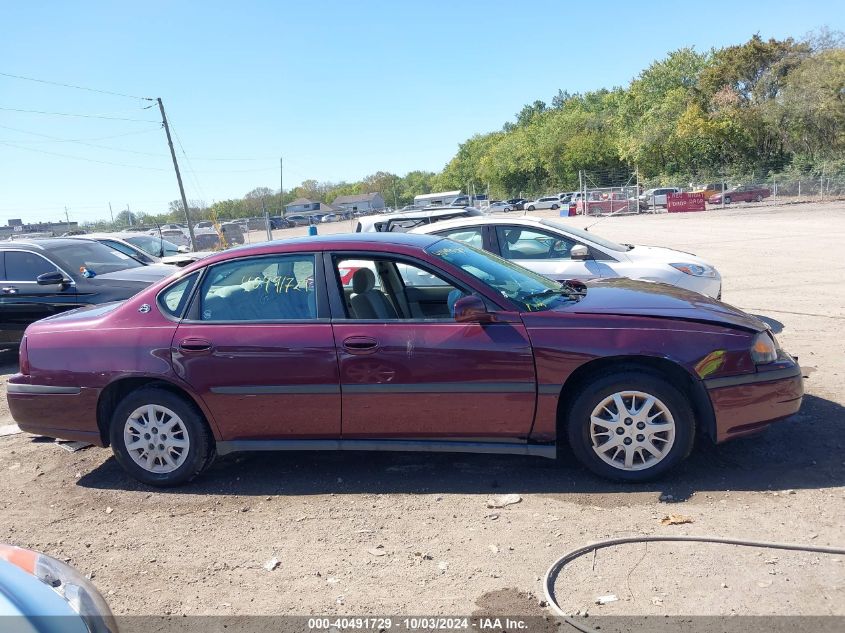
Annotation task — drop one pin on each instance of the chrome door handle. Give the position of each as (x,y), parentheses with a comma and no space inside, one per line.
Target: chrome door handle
(10,290)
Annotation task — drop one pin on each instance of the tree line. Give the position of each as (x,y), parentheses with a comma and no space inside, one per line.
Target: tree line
(761,107)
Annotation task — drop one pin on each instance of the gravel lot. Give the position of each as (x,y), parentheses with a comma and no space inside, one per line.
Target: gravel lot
(412,534)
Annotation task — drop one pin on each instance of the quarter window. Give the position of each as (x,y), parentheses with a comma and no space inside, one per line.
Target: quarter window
(25,266)
(260,289)
(467,235)
(173,300)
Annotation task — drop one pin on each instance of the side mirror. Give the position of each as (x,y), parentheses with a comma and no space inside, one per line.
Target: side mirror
(472,309)
(580,252)
(50,279)
(183,249)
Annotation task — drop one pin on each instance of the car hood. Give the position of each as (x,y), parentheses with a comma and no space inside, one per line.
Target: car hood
(141,275)
(629,297)
(664,255)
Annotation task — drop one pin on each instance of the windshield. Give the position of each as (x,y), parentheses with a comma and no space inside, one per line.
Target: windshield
(153,245)
(585,235)
(94,257)
(531,292)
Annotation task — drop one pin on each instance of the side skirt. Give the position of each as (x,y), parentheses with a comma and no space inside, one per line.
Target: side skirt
(423,446)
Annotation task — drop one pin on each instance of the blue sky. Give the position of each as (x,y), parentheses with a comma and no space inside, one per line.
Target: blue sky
(340,89)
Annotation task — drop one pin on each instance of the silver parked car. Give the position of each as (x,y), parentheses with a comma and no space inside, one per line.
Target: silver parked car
(546,202)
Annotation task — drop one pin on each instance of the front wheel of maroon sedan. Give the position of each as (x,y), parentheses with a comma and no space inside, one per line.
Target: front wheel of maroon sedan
(159,438)
(631,426)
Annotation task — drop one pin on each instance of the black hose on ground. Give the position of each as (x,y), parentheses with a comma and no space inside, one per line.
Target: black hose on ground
(560,563)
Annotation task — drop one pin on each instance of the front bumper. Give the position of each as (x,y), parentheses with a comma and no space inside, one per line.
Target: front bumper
(746,404)
(60,411)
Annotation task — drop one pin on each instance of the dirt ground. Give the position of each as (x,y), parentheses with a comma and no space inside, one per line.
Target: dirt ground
(412,534)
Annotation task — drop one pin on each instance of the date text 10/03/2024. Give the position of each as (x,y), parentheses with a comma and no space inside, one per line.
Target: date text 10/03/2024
(416,623)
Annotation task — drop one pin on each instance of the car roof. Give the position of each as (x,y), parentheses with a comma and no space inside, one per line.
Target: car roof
(328,242)
(41,244)
(476,221)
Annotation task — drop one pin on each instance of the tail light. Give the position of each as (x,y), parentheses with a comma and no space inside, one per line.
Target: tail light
(24,358)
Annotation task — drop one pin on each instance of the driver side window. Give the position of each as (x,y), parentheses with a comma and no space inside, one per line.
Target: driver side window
(518,243)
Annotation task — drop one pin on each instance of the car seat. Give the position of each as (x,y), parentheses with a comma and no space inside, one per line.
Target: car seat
(366,301)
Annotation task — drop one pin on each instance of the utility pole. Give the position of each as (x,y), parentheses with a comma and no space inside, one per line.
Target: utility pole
(67,219)
(112,215)
(178,175)
(266,220)
(281,188)
(129,215)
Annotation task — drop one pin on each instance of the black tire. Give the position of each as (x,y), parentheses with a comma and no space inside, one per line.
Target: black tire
(555,207)
(595,391)
(531,208)
(727,199)
(200,453)
(758,198)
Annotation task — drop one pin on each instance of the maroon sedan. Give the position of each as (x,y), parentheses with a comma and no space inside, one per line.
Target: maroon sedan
(743,193)
(431,345)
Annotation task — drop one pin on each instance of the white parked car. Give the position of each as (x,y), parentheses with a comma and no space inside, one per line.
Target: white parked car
(499,206)
(563,252)
(405,221)
(546,202)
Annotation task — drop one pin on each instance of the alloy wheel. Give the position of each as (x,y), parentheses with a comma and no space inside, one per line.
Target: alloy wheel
(156,438)
(632,430)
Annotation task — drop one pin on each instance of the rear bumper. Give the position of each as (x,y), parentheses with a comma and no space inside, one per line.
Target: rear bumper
(64,412)
(744,405)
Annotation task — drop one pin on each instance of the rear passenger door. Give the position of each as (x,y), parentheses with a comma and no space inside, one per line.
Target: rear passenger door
(257,346)
(22,299)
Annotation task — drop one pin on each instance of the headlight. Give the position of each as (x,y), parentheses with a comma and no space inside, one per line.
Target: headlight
(68,583)
(696,270)
(764,348)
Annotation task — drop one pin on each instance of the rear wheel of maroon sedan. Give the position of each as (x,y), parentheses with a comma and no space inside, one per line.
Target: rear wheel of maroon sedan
(160,438)
(631,426)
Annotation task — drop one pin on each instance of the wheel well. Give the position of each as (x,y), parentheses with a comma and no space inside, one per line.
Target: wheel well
(119,389)
(667,369)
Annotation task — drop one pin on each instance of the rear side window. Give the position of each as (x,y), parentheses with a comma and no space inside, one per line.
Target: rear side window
(273,288)
(25,266)
(468,235)
(174,300)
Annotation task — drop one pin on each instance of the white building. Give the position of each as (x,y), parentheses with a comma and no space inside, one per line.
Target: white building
(436,199)
(364,202)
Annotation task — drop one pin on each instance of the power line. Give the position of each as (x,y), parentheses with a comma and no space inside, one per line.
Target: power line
(90,160)
(187,160)
(56,139)
(55,83)
(84,116)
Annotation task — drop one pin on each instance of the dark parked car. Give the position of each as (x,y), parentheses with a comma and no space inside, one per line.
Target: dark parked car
(743,193)
(233,233)
(42,278)
(298,219)
(517,204)
(433,345)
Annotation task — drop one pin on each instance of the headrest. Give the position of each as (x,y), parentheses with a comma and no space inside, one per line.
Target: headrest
(513,236)
(363,281)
